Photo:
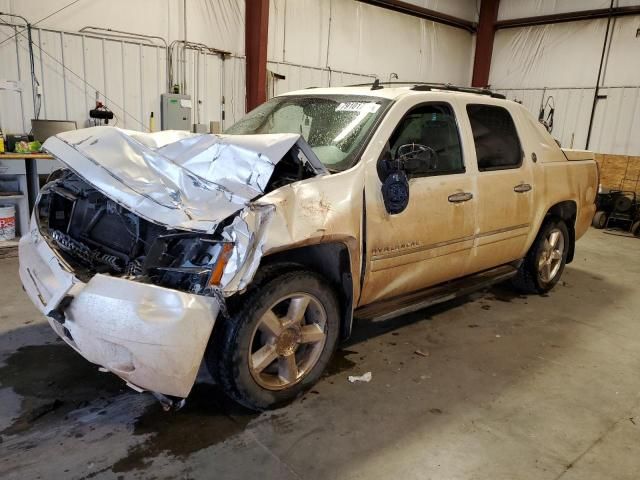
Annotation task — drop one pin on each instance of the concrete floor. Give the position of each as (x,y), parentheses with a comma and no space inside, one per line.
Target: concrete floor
(513,387)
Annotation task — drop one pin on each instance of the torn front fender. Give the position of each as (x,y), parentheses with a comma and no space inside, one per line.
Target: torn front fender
(311,212)
(248,235)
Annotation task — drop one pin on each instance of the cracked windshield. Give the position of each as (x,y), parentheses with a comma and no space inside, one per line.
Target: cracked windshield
(336,126)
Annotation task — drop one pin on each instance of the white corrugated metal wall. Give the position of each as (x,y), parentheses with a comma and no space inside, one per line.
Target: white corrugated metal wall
(615,123)
(467,9)
(217,23)
(128,75)
(215,84)
(344,41)
(562,60)
(71,66)
(311,43)
(317,43)
(297,77)
(530,8)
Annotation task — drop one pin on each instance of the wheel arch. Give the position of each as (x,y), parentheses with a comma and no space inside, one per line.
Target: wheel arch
(332,260)
(567,211)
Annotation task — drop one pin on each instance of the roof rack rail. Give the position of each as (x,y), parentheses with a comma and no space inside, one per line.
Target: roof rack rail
(426,86)
(456,88)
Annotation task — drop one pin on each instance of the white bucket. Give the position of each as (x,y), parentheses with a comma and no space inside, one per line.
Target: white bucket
(7,222)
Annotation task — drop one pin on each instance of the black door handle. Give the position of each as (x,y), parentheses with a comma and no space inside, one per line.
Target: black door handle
(522,188)
(460,197)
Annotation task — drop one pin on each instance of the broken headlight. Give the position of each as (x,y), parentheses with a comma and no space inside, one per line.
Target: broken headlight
(187,262)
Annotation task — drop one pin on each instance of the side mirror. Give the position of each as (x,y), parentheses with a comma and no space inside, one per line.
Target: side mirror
(395,192)
(394,173)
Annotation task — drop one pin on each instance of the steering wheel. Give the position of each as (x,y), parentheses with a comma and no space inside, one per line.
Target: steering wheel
(417,156)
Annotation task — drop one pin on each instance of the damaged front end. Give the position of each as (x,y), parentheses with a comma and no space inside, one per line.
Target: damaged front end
(95,235)
(134,246)
(92,282)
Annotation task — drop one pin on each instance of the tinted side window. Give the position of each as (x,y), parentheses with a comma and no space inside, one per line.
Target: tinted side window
(495,137)
(432,126)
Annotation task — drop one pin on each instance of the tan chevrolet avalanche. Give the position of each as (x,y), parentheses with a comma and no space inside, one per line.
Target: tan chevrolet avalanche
(253,251)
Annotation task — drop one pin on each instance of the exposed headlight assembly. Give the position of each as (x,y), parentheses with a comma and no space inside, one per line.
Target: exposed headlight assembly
(186,261)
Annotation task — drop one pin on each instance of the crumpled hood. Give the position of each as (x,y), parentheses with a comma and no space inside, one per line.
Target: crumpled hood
(175,178)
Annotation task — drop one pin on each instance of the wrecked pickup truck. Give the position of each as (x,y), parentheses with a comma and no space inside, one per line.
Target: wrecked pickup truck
(254,250)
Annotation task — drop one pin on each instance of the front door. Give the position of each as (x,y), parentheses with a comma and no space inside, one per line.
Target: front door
(431,239)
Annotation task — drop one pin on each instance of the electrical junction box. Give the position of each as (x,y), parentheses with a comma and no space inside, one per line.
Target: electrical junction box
(175,111)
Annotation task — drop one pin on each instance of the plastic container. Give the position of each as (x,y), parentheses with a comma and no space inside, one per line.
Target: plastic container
(7,222)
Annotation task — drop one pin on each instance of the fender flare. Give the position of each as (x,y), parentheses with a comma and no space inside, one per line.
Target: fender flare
(332,260)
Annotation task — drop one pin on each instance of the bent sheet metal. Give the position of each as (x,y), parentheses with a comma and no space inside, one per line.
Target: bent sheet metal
(151,335)
(178,179)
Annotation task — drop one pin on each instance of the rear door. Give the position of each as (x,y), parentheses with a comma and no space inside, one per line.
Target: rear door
(504,187)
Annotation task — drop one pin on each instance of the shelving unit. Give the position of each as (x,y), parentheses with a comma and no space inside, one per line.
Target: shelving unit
(13,178)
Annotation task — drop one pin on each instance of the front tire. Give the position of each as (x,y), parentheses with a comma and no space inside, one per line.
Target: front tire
(545,261)
(279,340)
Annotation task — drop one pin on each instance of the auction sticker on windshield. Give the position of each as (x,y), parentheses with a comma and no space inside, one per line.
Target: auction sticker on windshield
(369,107)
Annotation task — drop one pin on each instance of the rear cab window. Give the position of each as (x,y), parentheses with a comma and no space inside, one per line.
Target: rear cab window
(495,137)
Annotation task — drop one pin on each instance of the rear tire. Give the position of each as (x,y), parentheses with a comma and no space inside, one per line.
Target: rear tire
(599,219)
(545,261)
(278,341)
(635,228)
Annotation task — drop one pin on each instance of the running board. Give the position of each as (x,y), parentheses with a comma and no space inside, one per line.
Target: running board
(394,307)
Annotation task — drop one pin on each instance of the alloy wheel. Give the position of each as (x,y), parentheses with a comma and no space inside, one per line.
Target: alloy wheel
(287,341)
(550,260)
